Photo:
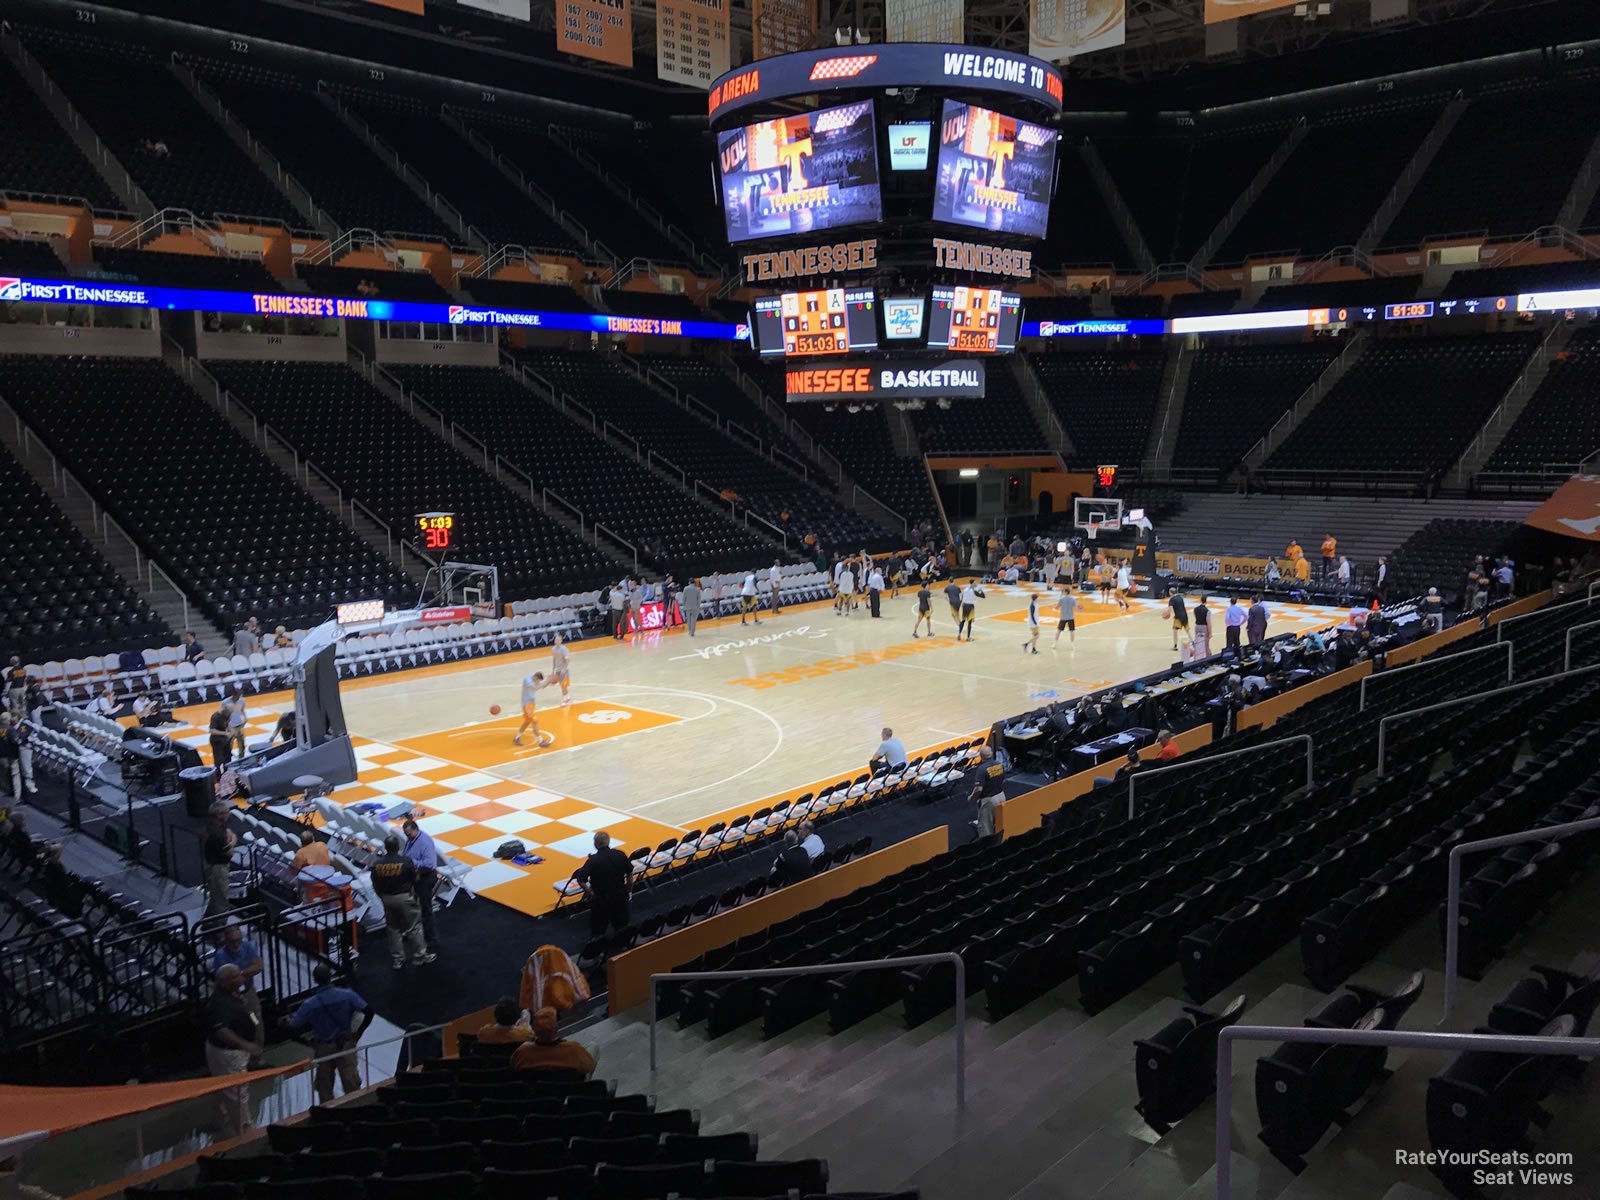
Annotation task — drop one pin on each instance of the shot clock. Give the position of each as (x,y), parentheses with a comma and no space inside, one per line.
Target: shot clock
(438,530)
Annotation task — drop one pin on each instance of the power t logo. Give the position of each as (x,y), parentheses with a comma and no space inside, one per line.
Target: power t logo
(10,289)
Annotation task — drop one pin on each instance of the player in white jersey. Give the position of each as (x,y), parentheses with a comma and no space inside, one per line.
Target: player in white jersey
(560,668)
(1033,624)
(1124,585)
(530,717)
(747,598)
(969,607)
(847,590)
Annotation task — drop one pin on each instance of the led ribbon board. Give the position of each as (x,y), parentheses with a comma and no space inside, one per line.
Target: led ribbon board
(272,304)
(881,65)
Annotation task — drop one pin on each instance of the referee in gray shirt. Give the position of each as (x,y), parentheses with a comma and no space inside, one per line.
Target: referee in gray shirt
(689,600)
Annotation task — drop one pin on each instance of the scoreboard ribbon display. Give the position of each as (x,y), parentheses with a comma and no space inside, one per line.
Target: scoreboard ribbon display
(887,64)
(880,381)
(272,304)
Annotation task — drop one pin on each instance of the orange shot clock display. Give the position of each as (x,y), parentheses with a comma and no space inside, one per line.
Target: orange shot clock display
(437,530)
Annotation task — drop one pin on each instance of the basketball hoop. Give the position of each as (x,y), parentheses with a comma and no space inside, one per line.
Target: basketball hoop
(1092,529)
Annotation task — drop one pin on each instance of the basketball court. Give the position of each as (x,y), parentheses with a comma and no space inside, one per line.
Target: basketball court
(668,733)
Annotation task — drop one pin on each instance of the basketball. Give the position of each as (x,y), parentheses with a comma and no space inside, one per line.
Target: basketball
(494,710)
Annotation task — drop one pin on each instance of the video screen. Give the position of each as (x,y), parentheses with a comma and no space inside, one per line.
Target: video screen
(800,174)
(908,145)
(977,320)
(825,321)
(902,317)
(994,171)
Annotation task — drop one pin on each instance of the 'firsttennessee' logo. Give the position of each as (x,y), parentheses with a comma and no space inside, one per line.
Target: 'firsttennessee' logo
(10,289)
(458,314)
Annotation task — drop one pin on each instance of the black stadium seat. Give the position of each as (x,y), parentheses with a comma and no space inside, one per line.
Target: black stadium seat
(1176,1067)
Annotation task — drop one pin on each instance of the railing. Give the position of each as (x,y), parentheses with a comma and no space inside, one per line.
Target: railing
(1452,903)
(571,508)
(871,964)
(619,540)
(1435,661)
(1383,723)
(612,431)
(656,459)
(1499,1043)
(859,493)
(1207,759)
(1474,455)
(1566,658)
(781,534)
(717,498)
(793,464)
(1272,439)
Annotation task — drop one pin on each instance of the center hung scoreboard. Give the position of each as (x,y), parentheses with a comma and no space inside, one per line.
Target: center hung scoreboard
(883,203)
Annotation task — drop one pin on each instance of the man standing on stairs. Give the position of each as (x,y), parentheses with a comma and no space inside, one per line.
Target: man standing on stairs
(1330,546)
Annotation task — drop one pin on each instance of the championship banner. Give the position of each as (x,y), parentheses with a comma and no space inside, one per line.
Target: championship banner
(1573,511)
(926,21)
(517,10)
(782,26)
(692,38)
(1227,10)
(597,29)
(1059,29)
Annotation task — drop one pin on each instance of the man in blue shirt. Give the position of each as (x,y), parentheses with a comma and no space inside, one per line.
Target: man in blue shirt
(419,849)
(239,951)
(330,1013)
(1233,621)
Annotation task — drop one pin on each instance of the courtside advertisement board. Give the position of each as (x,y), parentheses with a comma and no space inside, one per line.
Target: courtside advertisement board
(995,171)
(800,174)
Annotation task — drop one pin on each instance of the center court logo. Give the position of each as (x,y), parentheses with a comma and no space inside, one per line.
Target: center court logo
(10,289)
(605,716)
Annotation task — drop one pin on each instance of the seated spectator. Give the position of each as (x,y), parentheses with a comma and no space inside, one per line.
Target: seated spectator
(810,842)
(312,853)
(1128,767)
(106,703)
(890,754)
(510,1024)
(550,1052)
(281,639)
(792,864)
(1273,573)
(1167,747)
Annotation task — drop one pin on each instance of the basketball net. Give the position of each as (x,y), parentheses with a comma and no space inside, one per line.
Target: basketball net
(1092,529)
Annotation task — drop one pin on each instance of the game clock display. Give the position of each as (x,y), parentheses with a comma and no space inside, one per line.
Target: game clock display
(974,319)
(825,321)
(437,530)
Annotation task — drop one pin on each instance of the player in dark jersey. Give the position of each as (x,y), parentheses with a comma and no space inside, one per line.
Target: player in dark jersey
(924,609)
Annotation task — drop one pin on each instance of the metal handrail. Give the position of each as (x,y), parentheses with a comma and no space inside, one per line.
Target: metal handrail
(1383,723)
(1211,758)
(870,964)
(1566,659)
(1500,1043)
(620,540)
(1544,611)
(1433,662)
(1452,903)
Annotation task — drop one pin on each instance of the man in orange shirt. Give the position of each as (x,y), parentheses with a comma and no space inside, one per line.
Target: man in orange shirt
(1329,545)
(1166,746)
(509,1025)
(312,853)
(1292,551)
(549,1052)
